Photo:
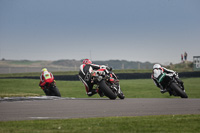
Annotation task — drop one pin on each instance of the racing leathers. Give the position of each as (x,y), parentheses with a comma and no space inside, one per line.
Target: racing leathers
(85,76)
(46,78)
(158,74)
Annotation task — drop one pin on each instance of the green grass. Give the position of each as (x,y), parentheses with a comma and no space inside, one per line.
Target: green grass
(142,124)
(139,88)
(145,88)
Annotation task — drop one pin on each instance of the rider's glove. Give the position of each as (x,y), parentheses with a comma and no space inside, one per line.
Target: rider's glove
(109,68)
(41,85)
(102,67)
(175,73)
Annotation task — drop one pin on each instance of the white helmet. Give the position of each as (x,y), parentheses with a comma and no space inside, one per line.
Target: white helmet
(156,66)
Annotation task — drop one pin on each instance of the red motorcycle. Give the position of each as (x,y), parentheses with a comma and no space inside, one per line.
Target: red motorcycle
(50,89)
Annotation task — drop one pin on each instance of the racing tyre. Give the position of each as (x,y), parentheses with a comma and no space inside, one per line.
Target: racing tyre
(55,92)
(106,90)
(121,95)
(178,90)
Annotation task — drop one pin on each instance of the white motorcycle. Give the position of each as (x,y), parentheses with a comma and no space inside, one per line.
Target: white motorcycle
(170,83)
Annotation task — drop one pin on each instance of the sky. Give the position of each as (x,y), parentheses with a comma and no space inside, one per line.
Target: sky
(158,31)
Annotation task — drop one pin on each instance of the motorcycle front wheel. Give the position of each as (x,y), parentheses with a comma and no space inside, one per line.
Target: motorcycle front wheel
(55,92)
(106,90)
(178,90)
(121,95)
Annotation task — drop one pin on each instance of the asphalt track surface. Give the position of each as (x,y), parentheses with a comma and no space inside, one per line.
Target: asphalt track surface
(12,109)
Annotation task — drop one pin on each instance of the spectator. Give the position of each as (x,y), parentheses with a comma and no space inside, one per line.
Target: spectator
(181,57)
(185,56)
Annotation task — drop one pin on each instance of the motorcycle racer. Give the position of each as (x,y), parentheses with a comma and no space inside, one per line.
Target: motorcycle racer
(85,75)
(159,73)
(45,78)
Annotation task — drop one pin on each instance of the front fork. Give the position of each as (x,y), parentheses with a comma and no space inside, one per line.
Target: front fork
(116,88)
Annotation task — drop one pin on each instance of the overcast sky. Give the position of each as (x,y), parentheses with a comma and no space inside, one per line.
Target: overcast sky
(134,30)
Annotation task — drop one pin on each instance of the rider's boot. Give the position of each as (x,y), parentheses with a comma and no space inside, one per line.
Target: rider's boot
(92,92)
(100,93)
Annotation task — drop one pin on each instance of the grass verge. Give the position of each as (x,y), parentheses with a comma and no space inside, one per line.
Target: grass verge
(139,88)
(143,124)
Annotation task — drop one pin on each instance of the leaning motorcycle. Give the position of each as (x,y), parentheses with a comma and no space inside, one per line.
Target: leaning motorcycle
(172,84)
(50,89)
(107,83)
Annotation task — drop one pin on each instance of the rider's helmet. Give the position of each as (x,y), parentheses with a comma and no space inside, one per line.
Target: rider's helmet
(44,69)
(156,66)
(87,61)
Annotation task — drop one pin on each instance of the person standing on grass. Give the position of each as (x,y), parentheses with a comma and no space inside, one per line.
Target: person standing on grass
(181,57)
(185,56)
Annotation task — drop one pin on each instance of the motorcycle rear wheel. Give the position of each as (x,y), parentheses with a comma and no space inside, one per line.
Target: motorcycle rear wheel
(106,90)
(178,90)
